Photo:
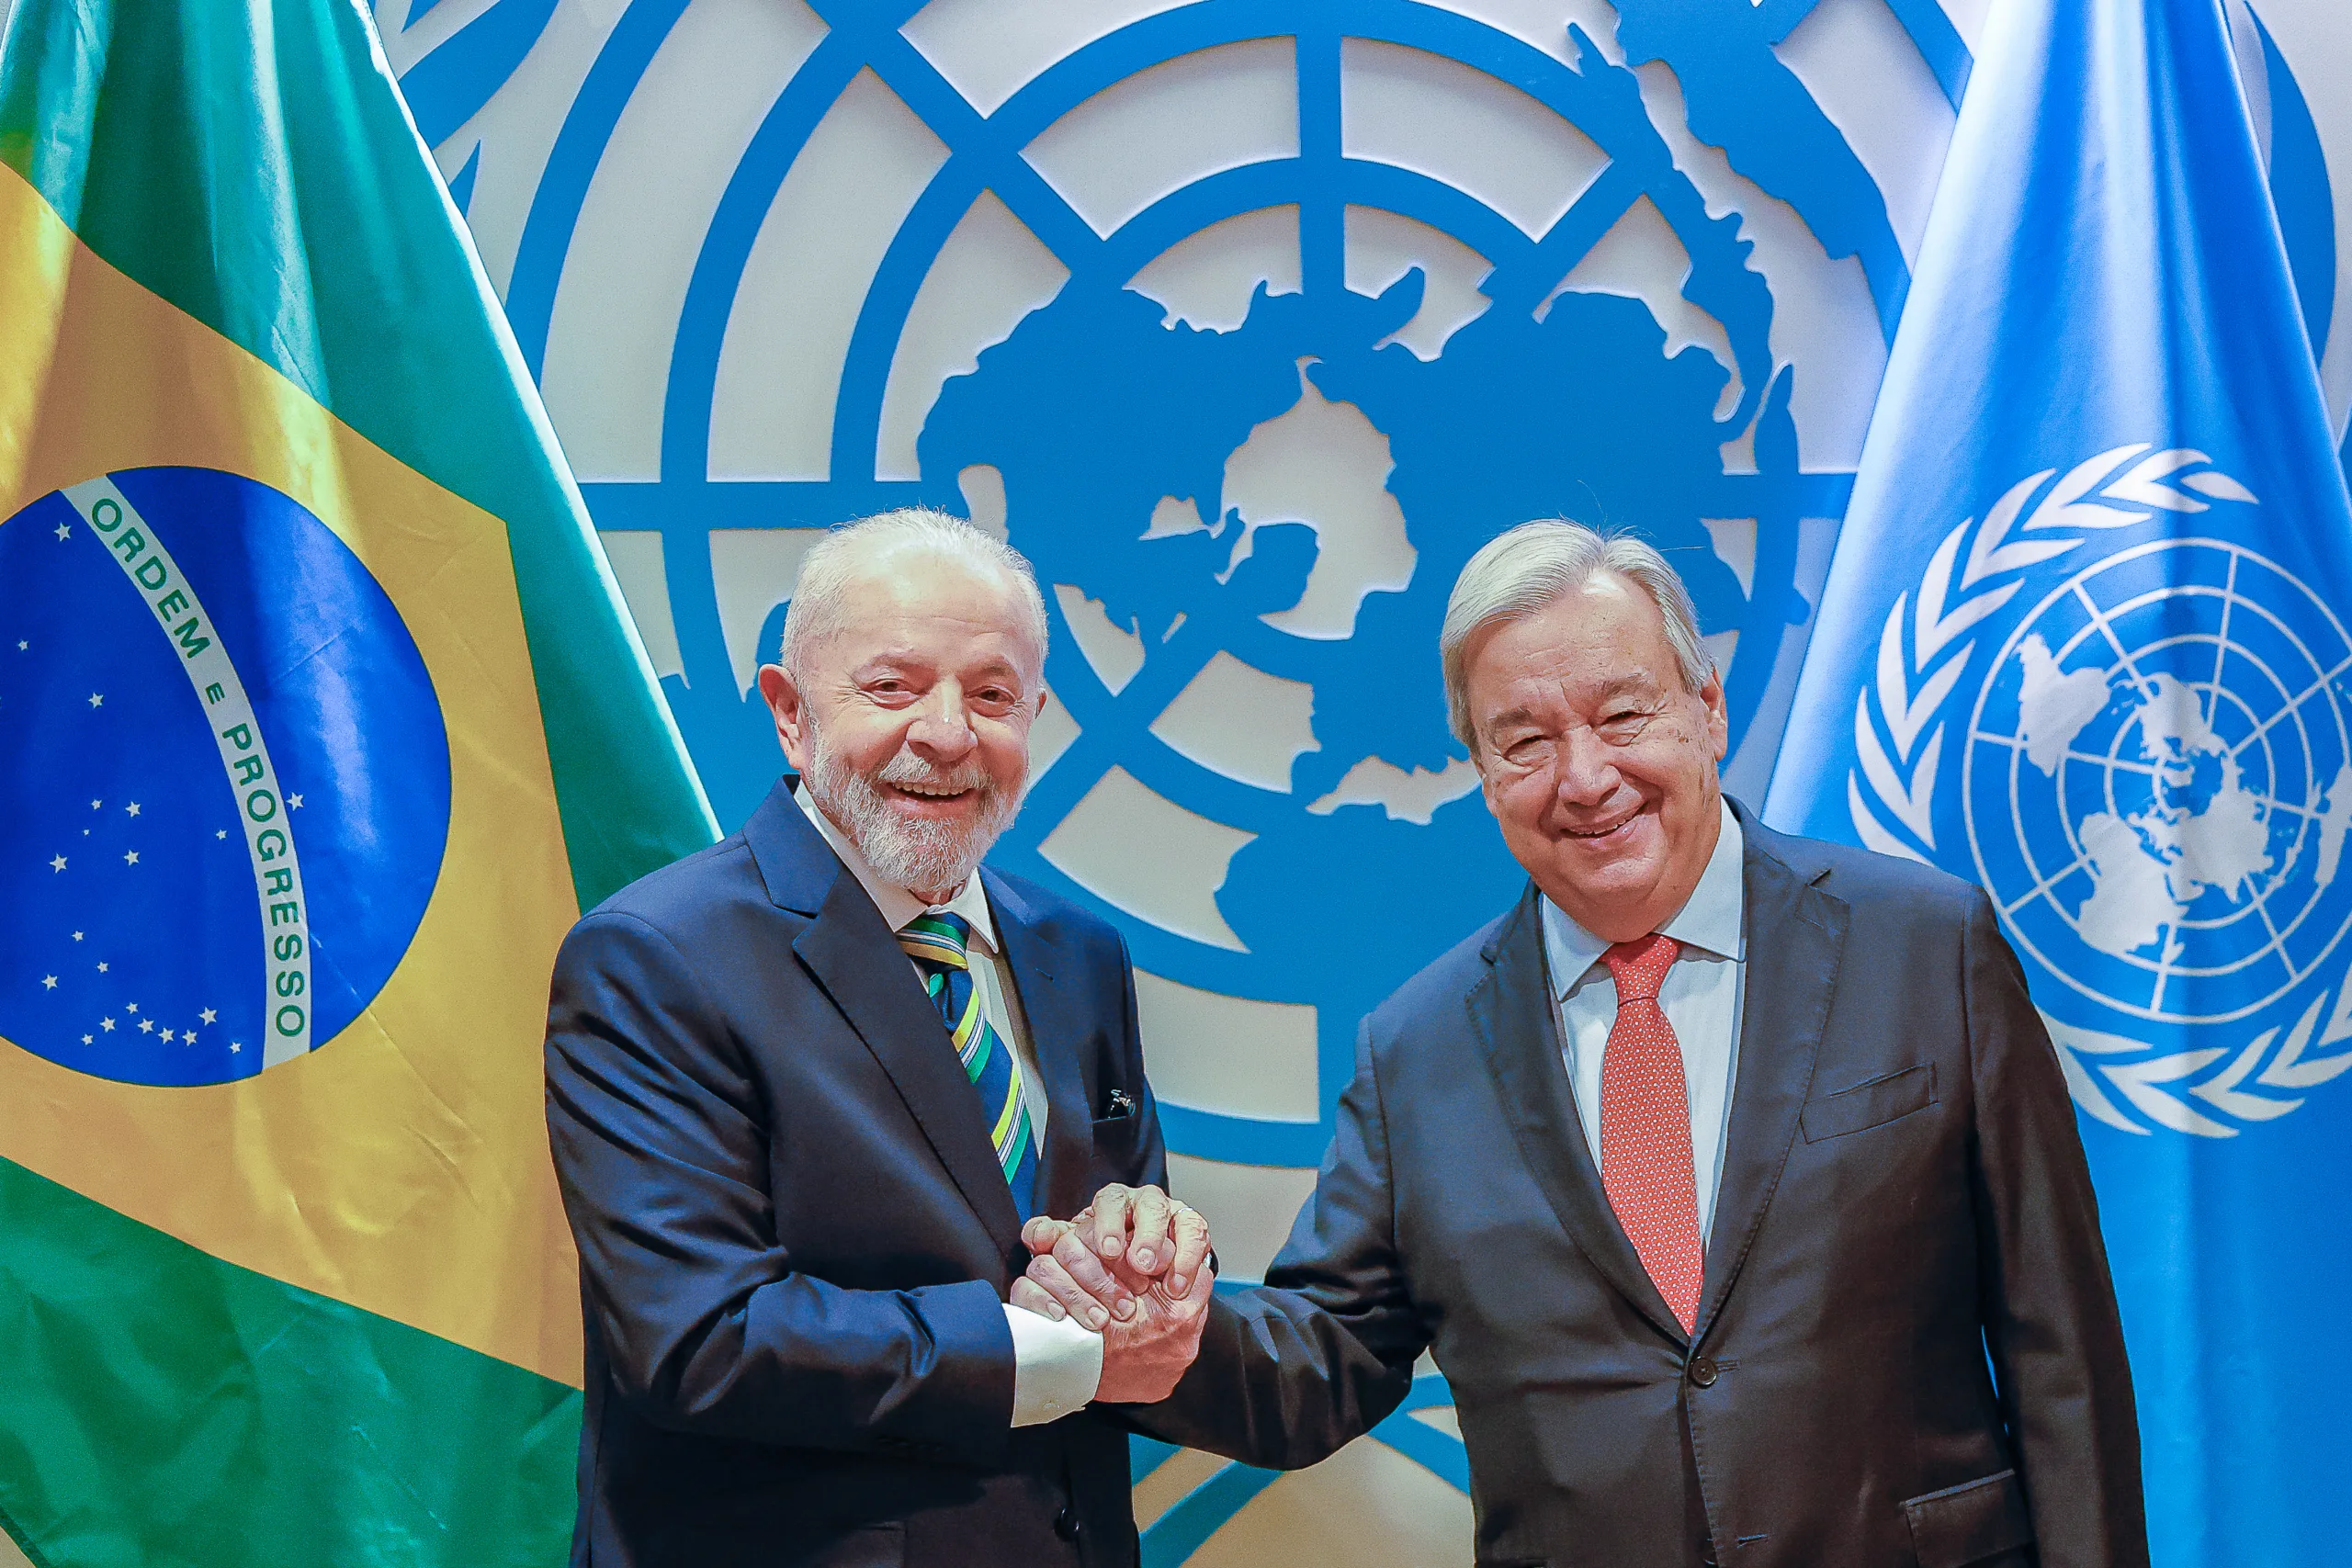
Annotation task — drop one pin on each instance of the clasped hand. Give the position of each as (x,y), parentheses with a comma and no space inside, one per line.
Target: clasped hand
(1132,1266)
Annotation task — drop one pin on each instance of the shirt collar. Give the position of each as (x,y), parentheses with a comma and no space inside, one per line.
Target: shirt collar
(1709,919)
(898,905)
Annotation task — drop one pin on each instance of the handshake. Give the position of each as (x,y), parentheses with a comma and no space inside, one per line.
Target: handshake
(1133,1266)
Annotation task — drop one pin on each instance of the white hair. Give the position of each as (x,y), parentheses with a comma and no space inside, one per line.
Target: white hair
(863,547)
(1534,565)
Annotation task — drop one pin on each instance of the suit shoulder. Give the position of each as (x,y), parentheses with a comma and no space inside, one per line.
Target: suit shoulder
(1868,880)
(1054,915)
(674,899)
(1438,988)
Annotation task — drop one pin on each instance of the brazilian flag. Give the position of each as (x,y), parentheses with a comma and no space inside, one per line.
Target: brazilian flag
(320,722)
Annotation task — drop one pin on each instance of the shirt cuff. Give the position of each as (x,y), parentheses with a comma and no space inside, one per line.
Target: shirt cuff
(1056,1366)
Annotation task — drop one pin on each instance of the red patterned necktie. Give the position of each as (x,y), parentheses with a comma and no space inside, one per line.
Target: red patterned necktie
(1646,1128)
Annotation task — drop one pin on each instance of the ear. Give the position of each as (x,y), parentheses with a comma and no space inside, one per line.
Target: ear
(1718,715)
(1487,785)
(783,700)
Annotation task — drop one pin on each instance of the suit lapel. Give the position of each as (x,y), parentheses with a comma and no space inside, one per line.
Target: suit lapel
(1510,1013)
(1796,934)
(1057,1026)
(855,957)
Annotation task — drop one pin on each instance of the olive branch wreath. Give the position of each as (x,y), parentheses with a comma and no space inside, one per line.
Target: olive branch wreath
(1899,737)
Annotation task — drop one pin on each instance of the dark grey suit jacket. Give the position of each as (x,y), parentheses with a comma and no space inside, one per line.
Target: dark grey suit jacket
(795,1241)
(1908,1349)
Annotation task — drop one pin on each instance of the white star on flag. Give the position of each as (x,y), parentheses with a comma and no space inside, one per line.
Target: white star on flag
(146,1026)
(220,833)
(48,982)
(106,1024)
(77,936)
(131,857)
(133,809)
(57,862)
(88,1039)
(102,966)
(210,1016)
(234,1046)
(167,1037)
(65,530)
(97,699)
(294,803)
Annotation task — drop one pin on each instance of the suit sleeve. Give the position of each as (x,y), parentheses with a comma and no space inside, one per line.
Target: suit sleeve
(660,1147)
(1291,1370)
(2048,1306)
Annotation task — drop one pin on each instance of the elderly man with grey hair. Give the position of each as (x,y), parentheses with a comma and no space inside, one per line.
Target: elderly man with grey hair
(1730,1177)
(805,1087)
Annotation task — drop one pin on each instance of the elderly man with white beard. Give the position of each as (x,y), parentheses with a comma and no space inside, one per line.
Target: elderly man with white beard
(804,1088)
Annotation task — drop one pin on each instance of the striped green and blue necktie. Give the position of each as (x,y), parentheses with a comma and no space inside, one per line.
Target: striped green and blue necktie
(937,944)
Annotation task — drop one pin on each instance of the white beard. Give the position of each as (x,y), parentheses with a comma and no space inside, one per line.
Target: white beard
(920,855)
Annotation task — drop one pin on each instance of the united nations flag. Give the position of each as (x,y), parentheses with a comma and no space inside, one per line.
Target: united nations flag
(318,724)
(2083,644)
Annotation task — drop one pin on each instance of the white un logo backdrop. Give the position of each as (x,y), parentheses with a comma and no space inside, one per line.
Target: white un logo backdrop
(2153,774)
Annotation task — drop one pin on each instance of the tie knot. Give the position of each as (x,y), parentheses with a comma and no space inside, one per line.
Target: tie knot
(939,939)
(1639,967)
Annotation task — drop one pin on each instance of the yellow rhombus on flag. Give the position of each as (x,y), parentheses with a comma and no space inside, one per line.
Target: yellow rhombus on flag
(320,722)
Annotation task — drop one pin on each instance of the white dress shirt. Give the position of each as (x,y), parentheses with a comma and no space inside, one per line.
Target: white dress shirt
(1700,997)
(1056,1365)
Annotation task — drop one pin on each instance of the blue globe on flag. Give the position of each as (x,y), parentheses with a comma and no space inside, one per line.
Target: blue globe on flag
(202,874)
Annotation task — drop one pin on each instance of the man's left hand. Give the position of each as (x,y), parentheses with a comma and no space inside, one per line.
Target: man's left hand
(1116,1269)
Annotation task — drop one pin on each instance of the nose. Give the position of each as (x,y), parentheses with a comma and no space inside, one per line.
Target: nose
(1586,775)
(943,727)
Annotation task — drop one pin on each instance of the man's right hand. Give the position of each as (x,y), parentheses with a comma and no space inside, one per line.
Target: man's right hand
(1133,1267)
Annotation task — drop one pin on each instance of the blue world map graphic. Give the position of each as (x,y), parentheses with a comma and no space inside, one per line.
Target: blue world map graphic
(135,940)
(1092,410)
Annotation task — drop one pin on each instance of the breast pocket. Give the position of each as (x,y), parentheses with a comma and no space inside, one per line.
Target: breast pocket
(1888,1098)
(1114,1136)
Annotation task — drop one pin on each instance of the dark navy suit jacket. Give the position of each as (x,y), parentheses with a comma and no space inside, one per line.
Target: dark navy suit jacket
(794,1240)
(1908,1349)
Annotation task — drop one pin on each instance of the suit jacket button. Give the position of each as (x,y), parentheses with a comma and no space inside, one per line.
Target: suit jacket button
(1702,1371)
(1066,1523)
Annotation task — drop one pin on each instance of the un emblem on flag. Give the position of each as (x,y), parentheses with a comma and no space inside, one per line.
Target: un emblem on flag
(224,804)
(2153,776)
(2156,782)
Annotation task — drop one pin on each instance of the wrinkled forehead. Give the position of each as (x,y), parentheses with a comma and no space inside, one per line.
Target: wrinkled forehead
(1603,637)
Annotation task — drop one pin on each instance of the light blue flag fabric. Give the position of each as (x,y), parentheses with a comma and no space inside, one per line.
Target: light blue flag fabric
(2083,643)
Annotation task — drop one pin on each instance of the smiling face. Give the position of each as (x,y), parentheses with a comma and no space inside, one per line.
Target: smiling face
(911,723)
(1597,762)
